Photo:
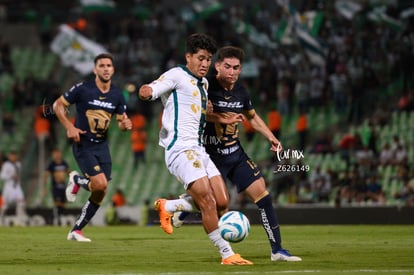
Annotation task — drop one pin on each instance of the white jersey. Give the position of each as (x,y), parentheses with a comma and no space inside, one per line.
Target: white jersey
(184,97)
(10,173)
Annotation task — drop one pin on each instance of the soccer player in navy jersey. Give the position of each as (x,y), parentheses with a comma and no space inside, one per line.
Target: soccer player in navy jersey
(96,102)
(230,100)
(56,172)
(230,104)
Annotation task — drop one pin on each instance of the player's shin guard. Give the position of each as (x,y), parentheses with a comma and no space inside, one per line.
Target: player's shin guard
(82,182)
(88,211)
(270,222)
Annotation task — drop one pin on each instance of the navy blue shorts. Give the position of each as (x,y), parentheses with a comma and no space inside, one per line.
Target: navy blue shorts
(93,158)
(237,167)
(58,194)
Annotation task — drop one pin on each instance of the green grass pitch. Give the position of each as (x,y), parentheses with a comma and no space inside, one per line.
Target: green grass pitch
(357,249)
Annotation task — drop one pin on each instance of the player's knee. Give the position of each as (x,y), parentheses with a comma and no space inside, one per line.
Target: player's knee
(222,207)
(207,203)
(98,185)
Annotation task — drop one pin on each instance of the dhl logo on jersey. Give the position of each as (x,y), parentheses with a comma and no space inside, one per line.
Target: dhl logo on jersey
(234,104)
(102,104)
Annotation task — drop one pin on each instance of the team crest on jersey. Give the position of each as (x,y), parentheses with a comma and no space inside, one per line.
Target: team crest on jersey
(197,164)
(97,168)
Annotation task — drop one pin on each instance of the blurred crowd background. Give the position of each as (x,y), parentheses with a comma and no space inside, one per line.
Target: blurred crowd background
(336,75)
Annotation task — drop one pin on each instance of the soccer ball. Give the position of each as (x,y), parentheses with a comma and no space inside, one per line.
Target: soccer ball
(234,226)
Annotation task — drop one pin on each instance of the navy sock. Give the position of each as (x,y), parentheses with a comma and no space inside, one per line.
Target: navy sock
(183,215)
(270,222)
(88,211)
(82,182)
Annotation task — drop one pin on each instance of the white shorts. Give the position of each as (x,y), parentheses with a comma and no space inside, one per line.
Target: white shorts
(190,164)
(12,194)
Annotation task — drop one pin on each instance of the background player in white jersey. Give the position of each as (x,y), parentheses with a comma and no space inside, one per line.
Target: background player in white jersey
(12,189)
(183,91)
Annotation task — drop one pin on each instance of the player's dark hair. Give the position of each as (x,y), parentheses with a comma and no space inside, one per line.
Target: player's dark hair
(229,52)
(200,41)
(103,55)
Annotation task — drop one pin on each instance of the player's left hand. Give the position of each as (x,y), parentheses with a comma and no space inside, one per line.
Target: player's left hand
(276,145)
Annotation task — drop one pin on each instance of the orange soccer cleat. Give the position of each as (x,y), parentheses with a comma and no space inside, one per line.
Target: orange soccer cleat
(165,216)
(235,259)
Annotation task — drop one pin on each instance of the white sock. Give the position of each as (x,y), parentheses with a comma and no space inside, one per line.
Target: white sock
(189,199)
(21,208)
(179,205)
(223,246)
(2,214)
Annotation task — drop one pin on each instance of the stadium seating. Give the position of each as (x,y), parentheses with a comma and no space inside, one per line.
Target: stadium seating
(28,61)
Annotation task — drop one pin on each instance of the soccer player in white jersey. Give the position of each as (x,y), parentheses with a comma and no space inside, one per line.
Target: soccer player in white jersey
(12,189)
(183,91)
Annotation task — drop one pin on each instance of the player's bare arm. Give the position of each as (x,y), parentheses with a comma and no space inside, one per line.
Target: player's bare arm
(259,125)
(220,118)
(59,107)
(145,92)
(124,123)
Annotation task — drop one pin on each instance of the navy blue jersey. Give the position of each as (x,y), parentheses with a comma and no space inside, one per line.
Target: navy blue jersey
(228,103)
(94,109)
(55,168)
(222,141)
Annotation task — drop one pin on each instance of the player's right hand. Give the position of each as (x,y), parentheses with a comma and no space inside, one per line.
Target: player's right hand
(237,118)
(74,133)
